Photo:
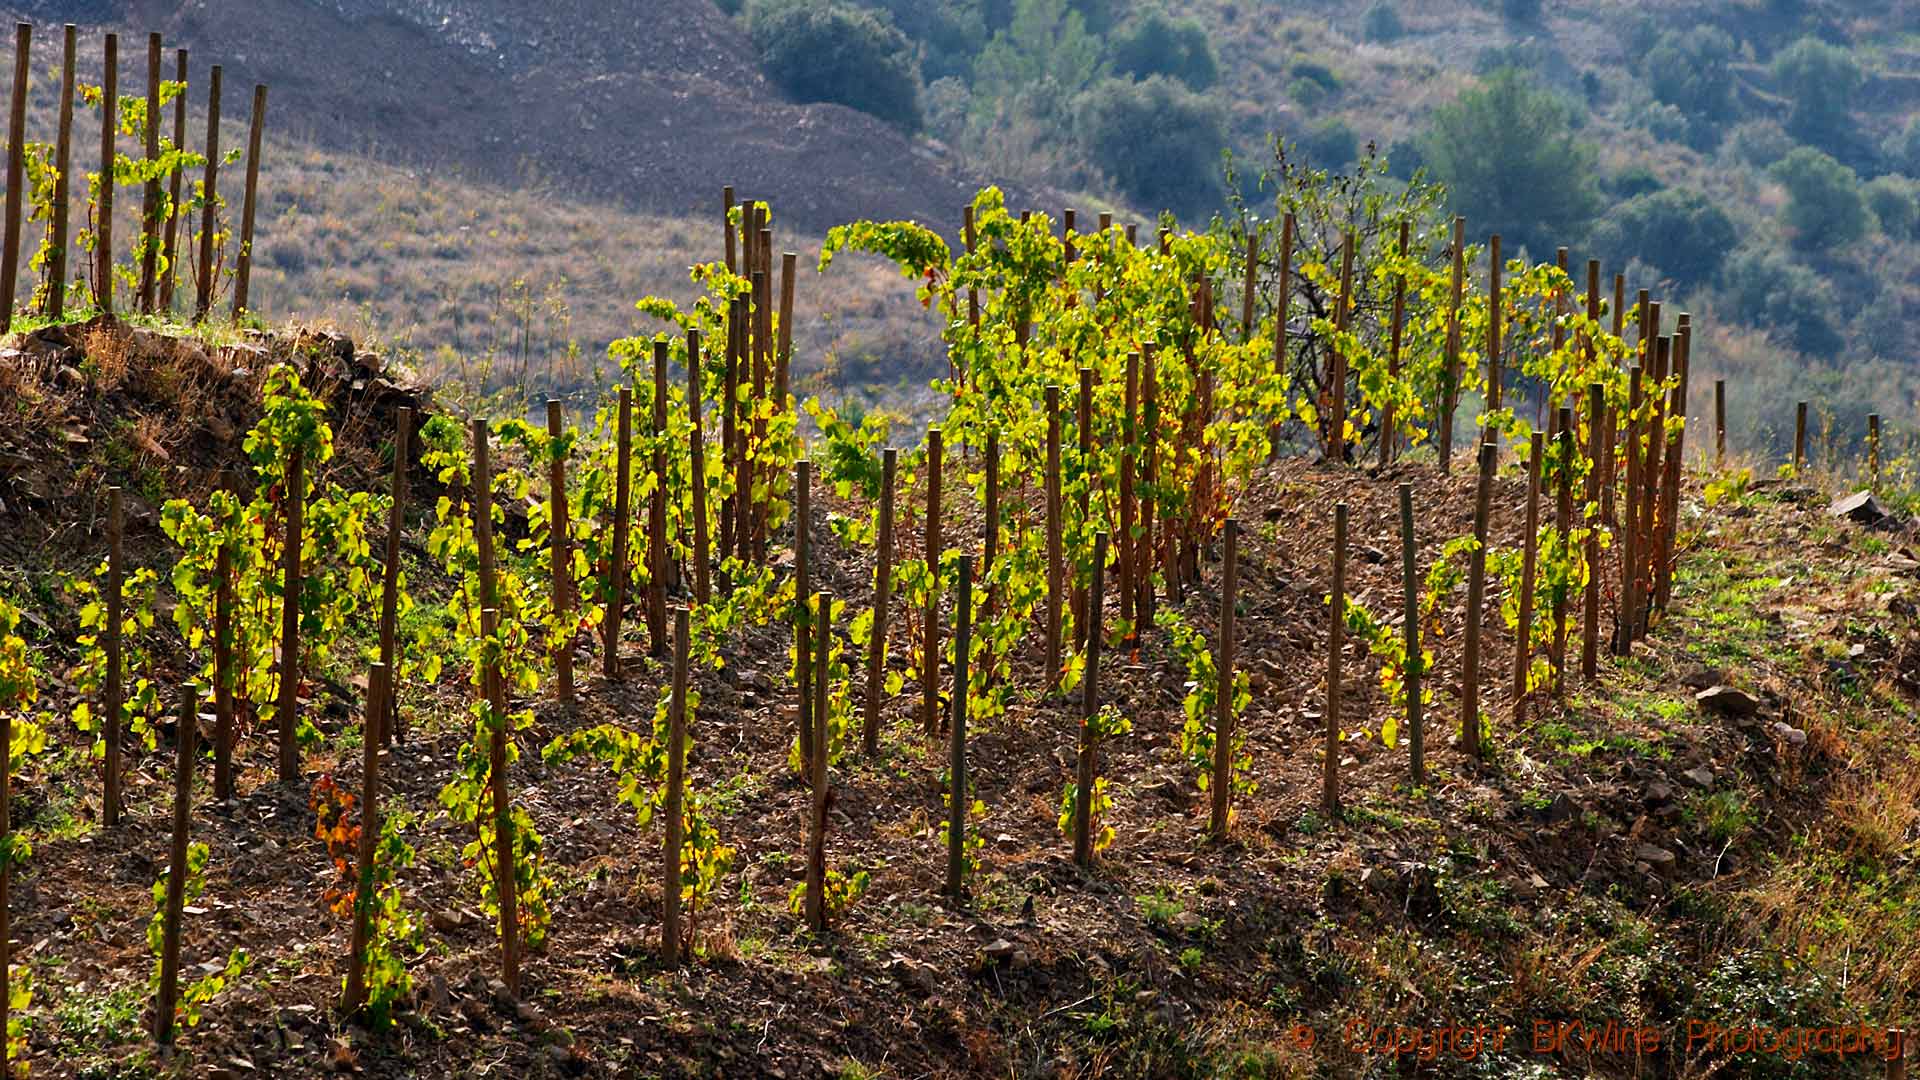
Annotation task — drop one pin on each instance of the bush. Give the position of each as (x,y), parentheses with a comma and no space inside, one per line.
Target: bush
(1510,162)
(818,50)
(1688,70)
(1315,71)
(1893,201)
(1382,23)
(1902,148)
(1760,143)
(1330,144)
(1824,206)
(1521,11)
(1154,44)
(1159,141)
(1634,181)
(949,35)
(1820,79)
(1688,235)
(1775,293)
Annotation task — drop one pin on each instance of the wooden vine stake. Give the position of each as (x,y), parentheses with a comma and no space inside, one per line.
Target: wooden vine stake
(16,172)
(223,679)
(1676,456)
(150,201)
(559,549)
(1563,523)
(622,500)
(1083,435)
(697,465)
(114,695)
(1149,450)
(493,686)
(930,673)
(670,877)
(1799,438)
(1719,423)
(1336,646)
(170,243)
(802,590)
(1222,811)
(1055,571)
(63,162)
(1494,340)
(729,387)
(726,228)
(389,711)
(168,994)
(1279,319)
(1129,449)
(294,492)
(1476,598)
(373,727)
(957,798)
(1873,451)
(992,464)
(816,898)
(1389,436)
(210,186)
(882,604)
(1450,378)
(1590,640)
(783,358)
(1086,766)
(109,130)
(1416,662)
(1523,628)
(1623,630)
(1337,364)
(657,511)
(243,259)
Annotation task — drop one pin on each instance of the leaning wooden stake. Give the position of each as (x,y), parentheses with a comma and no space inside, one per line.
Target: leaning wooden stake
(1223,691)
(657,511)
(1873,451)
(1337,363)
(1590,640)
(243,259)
(170,243)
(16,172)
(390,575)
(372,727)
(559,550)
(783,361)
(1086,766)
(697,465)
(1563,524)
(1055,571)
(672,859)
(57,242)
(1083,437)
(113,697)
(1451,374)
(1675,460)
(1149,450)
(294,492)
(150,201)
(1279,320)
(957,792)
(816,898)
(1129,450)
(1629,526)
(802,589)
(1336,646)
(1410,586)
(992,540)
(1476,597)
(210,192)
(168,994)
(507,887)
(1389,435)
(930,684)
(1523,643)
(223,675)
(1719,423)
(622,507)
(103,220)
(882,604)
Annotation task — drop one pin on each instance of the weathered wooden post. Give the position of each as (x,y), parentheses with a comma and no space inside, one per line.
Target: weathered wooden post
(1389,437)
(1129,449)
(802,589)
(1450,380)
(1336,646)
(1337,363)
(816,898)
(726,228)
(210,189)
(957,796)
(1675,462)
(783,356)
(882,603)
(243,259)
(170,243)
(676,794)
(1719,423)
(114,696)
(1055,571)
(1083,437)
(223,722)
(1873,451)
(1563,522)
(930,683)
(1476,597)
(1629,527)
(992,464)
(109,129)
(506,887)
(973,294)
(1149,450)
(168,994)
(1590,640)
(57,241)
(1495,342)
(1410,586)
(1223,720)
(617,560)
(16,172)
(1246,285)
(1086,767)
(1799,438)
(373,729)
(697,465)
(294,492)
(657,511)
(1530,541)
(390,572)
(150,201)
(1279,320)
(559,550)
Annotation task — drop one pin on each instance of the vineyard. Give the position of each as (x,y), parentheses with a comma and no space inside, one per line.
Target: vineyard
(1298,636)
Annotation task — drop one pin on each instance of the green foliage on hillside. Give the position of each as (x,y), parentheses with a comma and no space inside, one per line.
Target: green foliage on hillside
(1156,140)
(821,50)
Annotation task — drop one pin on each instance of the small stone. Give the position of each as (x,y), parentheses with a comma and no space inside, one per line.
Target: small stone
(1860,508)
(446,922)
(1701,777)
(1788,734)
(1659,793)
(999,950)
(1656,857)
(1727,701)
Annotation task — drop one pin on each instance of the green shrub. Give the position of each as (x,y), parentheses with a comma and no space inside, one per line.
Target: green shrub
(1902,148)
(1153,44)
(1824,206)
(1893,202)
(818,50)
(1687,236)
(1159,141)
(1821,80)
(1775,293)
(1688,69)
(1315,71)
(1521,11)
(1381,23)
(1330,144)
(1760,143)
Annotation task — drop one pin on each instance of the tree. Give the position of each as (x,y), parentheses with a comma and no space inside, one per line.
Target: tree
(1775,293)
(1381,23)
(1893,202)
(1507,154)
(1902,148)
(1046,51)
(1689,70)
(1159,141)
(818,50)
(949,35)
(1820,79)
(1824,206)
(1685,234)
(1153,44)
